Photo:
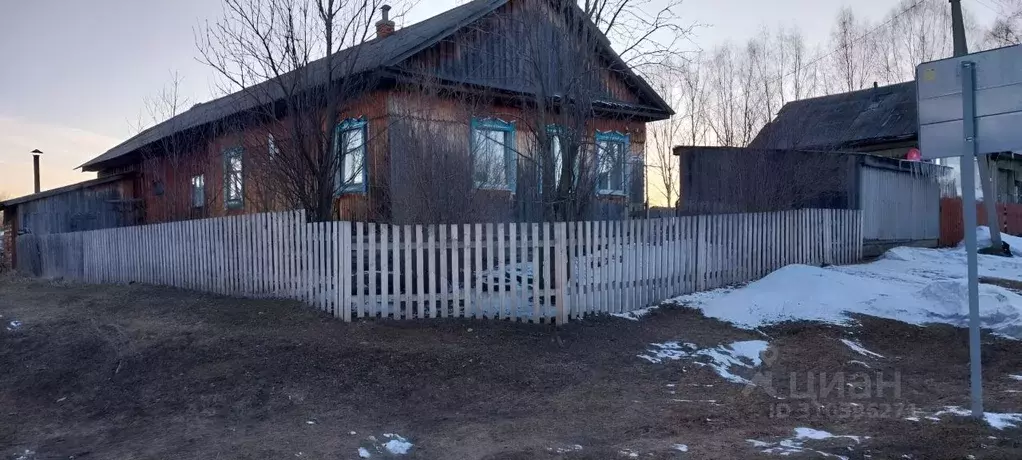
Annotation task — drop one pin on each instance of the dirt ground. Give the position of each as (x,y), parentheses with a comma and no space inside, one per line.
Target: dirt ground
(141,372)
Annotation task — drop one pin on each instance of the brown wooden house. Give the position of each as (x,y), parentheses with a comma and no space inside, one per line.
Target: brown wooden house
(450,88)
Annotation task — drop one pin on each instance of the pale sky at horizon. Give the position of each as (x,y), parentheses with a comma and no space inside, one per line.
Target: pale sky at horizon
(75,73)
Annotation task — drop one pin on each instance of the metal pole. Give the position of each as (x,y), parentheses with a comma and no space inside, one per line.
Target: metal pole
(986,166)
(968,165)
(961,47)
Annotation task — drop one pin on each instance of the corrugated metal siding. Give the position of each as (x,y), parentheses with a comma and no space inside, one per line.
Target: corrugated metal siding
(899,206)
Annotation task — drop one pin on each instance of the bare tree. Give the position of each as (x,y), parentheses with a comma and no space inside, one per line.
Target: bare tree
(662,136)
(171,165)
(570,78)
(299,64)
(738,106)
(648,33)
(693,80)
(436,179)
(1007,27)
(852,61)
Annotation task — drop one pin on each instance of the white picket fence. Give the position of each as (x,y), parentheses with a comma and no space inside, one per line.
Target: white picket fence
(526,271)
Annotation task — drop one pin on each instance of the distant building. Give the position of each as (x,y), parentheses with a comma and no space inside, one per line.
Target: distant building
(880,121)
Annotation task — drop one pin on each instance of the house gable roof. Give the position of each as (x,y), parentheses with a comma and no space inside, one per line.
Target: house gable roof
(844,121)
(374,54)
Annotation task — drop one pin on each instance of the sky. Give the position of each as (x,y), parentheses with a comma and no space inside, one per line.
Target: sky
(75,73)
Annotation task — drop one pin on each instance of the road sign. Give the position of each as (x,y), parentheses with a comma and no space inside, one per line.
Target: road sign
(971,105)
(998,78)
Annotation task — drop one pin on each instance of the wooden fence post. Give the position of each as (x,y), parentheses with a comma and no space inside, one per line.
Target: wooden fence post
(700,239)
(828,235)
(561,271)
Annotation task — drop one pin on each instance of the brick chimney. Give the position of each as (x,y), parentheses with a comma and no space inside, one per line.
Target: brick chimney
(384,27)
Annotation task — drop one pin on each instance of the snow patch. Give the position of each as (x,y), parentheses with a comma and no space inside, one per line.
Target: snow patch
(564,450)
(913,285)
(858,348)
(635,315)
(796,443)
(722,359)
(996,420)
(680,447)
(396,445)
(1015,376)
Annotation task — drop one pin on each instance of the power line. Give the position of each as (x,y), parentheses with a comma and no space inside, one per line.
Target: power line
(861,37)
(984,5)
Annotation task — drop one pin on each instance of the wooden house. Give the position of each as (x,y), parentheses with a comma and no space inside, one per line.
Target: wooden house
(453,85)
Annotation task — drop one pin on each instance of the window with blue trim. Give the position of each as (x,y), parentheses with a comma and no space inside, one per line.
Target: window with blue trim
(494,164)
(233,178)
(350,148)
(611,163)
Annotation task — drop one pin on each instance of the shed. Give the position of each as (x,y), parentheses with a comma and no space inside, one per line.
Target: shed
(89,205)
(900,199)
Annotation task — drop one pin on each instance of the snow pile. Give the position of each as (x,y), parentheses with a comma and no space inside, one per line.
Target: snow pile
(796,444)
(912,285)
(722,359)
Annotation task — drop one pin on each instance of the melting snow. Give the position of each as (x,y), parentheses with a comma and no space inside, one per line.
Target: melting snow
(995,420)
(1015,376)
(397,445)
(858,348)
(680,447)
(722,358)
(634,315)
(564,450)
(913,285)
(795,444)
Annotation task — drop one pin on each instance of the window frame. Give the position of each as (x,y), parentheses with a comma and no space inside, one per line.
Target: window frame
(510,155)
(228,155)
(613,137)
(345,126)
(557,131)
(200,188)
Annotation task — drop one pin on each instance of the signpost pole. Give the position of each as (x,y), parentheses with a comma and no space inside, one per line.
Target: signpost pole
(968,165)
